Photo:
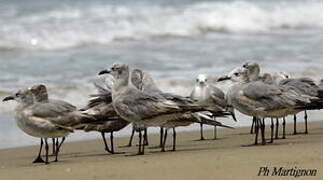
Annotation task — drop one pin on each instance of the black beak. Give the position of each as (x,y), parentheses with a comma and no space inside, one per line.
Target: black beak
(8,98)
(104,72)
(223,78)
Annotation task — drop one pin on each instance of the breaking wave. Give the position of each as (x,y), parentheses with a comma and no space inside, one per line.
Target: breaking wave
(71,27)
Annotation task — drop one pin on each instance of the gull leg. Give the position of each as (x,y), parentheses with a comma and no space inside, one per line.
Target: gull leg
(215,130)
(106,147)
(58,148)
(174,139)
(57,145)
(46,150)
(305,118)
(272,131)
(161,137)
(111,141)
(143,143)
(131,137)
(253,125)
(146,137)
(295,118)
(215,133)
(54,146)
(201,129)
(284,128)
(164,140)
(140,152)
(256,131)
(277,128)
(263,131)
(39,159)
(112,145)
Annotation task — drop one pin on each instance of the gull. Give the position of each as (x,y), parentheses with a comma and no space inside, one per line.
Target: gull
(210,96)
(283,79)
(41,95)
(145,83)
(254,75)
(142,108)
(43,120)
(261,100)
(305,86)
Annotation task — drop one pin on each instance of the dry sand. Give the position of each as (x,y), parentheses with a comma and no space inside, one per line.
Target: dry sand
(221,159)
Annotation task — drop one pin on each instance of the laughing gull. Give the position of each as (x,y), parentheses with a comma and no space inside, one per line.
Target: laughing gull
(43,120)
(261,100)
(142,108)
(41,96)
(302,85)
(305,86)
(210,96)
(101,108)
(145,83)
(254,75)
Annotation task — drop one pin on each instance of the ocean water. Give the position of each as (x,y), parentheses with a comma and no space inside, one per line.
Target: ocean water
(64,43)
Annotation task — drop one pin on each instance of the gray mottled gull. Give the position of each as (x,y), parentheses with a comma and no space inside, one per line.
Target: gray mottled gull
(143,81)
(41,95)
(305,86)
(254,75)
(43,120)
(301,85)
(261,100)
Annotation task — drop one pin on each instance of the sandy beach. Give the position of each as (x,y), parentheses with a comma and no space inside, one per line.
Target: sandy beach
(226,158)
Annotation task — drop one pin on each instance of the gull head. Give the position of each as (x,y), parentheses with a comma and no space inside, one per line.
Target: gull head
(237,75)
(279,76)
(137,76)
(40,92)
(120,74)
(253,69)
(22,96)
(201,79)
(283,75)
(117,71)
(267,78)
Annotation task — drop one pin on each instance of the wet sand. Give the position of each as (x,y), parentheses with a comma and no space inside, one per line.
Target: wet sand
(226,158)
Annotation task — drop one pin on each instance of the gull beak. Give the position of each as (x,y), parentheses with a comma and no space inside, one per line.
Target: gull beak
(223,78)
(8,98)
(104,72)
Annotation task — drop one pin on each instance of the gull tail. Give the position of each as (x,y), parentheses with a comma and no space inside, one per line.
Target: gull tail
(206,118)
(215,123)
(70,129)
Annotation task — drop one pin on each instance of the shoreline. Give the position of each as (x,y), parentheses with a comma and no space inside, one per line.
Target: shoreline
(15,138)
(226,158)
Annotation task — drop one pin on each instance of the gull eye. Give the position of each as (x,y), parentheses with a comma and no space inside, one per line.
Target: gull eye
(236,74)
(113,68)
(17,94)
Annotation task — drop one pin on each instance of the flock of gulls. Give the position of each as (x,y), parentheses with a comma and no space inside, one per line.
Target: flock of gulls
(132,97)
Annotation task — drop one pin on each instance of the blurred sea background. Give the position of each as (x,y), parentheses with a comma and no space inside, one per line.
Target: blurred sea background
(64,43)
